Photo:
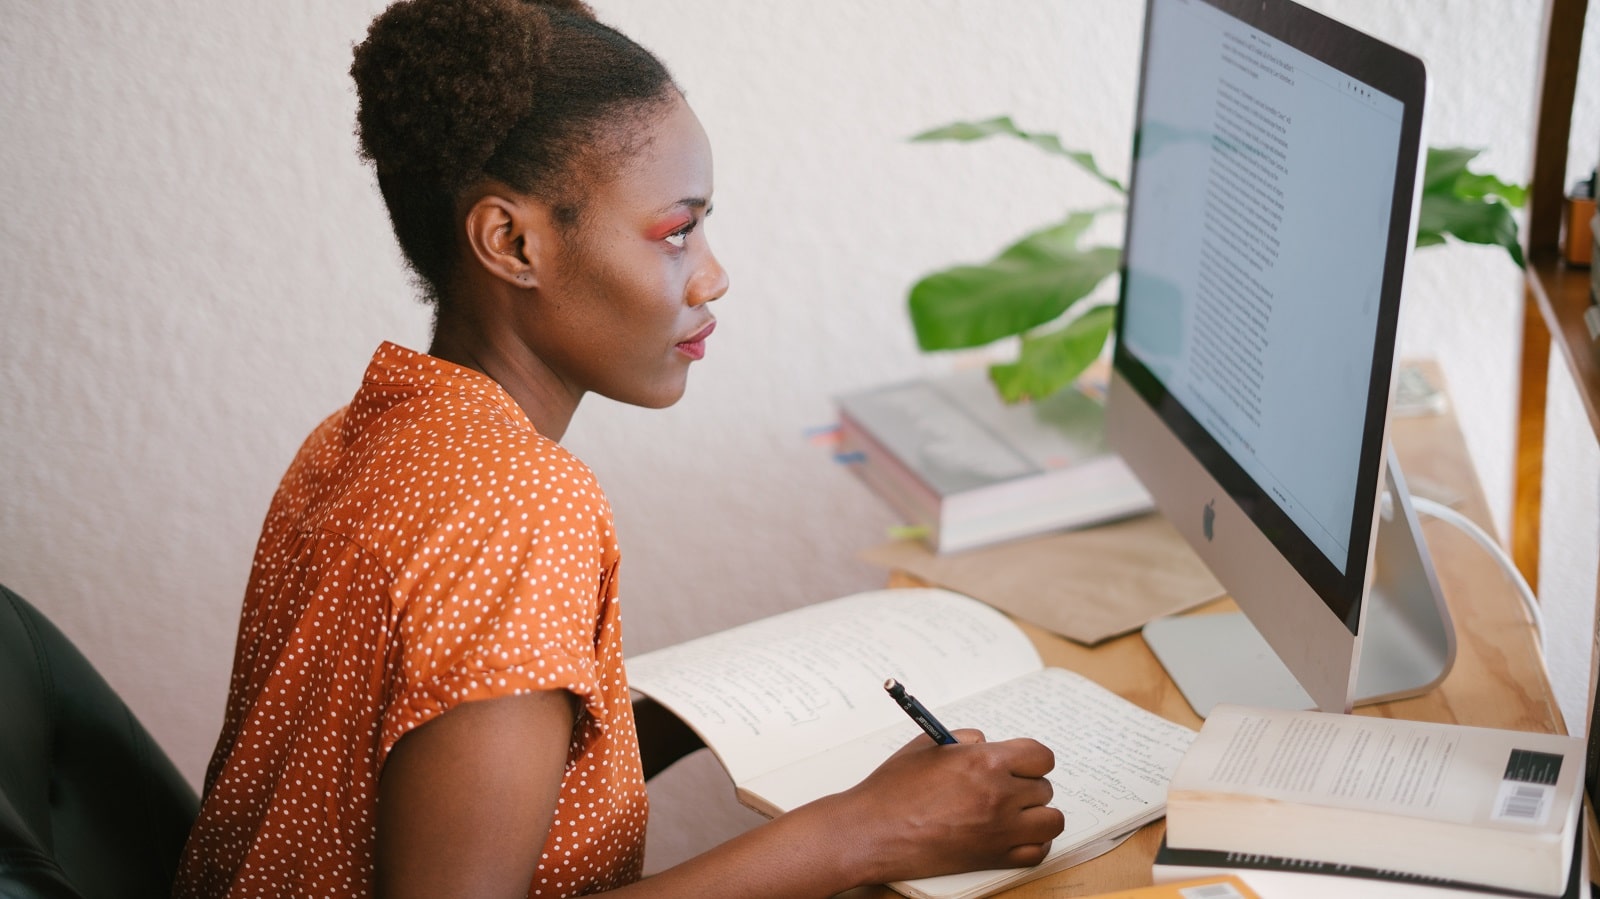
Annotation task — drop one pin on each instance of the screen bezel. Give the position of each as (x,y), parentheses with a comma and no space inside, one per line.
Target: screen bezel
(1400,75)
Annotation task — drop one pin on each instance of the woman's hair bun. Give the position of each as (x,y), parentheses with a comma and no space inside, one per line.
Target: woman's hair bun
(452,92)
(576,7)
(441,82)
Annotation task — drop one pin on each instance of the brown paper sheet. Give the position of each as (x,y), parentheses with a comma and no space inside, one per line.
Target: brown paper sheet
(1086,585)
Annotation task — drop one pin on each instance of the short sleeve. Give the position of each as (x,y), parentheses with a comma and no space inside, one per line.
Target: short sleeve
(503,594)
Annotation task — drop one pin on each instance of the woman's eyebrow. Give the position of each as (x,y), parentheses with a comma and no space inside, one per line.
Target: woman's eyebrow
(691,202)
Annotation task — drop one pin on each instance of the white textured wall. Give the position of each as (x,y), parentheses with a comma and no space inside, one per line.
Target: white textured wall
(194,268)
(1569,554)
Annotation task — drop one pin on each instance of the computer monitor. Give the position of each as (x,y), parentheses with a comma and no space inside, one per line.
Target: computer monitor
(1271,211)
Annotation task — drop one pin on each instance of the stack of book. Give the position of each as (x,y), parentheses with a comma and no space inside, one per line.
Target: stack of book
(967,470)
(1275,877)
(1309,804)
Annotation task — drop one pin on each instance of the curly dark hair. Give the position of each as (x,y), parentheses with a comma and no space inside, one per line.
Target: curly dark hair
(537,95)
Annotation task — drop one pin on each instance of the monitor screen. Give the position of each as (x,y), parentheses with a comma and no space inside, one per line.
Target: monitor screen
(1269,220)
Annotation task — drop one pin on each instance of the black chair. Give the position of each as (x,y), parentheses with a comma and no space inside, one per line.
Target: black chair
(90,807)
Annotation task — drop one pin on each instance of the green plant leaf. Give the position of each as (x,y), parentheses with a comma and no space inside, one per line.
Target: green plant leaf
(1466,205)
(1447,171)
(1051,361)
(1444,166)
(1486,221)
(1002,125)
(1030,284)
(1473,186)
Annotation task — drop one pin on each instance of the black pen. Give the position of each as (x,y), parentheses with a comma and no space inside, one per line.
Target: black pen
(924,718)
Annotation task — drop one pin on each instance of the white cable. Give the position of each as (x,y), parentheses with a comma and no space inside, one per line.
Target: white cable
(1445,513)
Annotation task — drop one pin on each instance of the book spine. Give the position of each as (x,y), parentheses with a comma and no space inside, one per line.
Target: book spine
(1172,863)
(895,484)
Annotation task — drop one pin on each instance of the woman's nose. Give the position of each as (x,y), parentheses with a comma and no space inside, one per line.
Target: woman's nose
(709,282)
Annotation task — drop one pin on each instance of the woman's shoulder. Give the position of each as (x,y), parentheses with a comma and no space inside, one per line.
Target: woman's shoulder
(460,444)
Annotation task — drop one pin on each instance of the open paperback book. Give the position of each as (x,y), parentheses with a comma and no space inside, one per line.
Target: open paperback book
(793,706)
(1496,808)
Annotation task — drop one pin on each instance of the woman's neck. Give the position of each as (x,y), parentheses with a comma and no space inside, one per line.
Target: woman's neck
(469,343)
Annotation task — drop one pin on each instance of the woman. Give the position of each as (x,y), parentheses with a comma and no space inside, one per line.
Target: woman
(428,696)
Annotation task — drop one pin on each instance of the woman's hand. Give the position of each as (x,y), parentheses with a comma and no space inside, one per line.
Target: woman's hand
(926,810)
(932,809)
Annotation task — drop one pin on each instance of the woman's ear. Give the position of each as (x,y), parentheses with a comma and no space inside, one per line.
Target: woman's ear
(507,235)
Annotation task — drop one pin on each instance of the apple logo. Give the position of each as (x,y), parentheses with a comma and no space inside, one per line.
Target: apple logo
(1208,519)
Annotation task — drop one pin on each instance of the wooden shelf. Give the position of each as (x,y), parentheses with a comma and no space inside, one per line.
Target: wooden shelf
(1562,297)
(1555,297)
(1555,300)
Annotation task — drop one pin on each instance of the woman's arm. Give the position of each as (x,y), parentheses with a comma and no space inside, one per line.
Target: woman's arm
(466,799)
(466,802)
(927,810)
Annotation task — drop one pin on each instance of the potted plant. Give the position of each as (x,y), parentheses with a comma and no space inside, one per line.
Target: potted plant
(1040,288)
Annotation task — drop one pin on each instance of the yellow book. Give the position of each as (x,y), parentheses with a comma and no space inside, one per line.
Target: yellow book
(1221,886)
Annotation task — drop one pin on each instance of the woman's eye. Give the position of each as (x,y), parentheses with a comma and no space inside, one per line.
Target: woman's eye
(680,237)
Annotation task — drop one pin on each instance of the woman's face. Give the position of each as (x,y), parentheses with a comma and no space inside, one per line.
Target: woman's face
(622,309)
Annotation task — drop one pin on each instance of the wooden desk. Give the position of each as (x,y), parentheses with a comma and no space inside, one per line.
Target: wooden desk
(1498,679)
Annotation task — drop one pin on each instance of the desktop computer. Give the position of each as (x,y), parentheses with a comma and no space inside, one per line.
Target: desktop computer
(1272,209)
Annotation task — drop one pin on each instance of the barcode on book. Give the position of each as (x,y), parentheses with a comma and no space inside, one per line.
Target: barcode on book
(1210,891)
(1523,803)
(1527,789)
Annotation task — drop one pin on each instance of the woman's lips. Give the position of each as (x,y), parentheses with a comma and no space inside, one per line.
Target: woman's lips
(695,347)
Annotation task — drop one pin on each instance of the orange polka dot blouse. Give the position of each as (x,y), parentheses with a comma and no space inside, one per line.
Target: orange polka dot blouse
(426,548)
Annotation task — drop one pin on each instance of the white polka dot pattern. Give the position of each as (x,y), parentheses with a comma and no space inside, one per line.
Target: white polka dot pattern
(426,548)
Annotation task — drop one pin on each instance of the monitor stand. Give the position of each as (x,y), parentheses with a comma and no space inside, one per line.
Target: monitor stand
(1408,642)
